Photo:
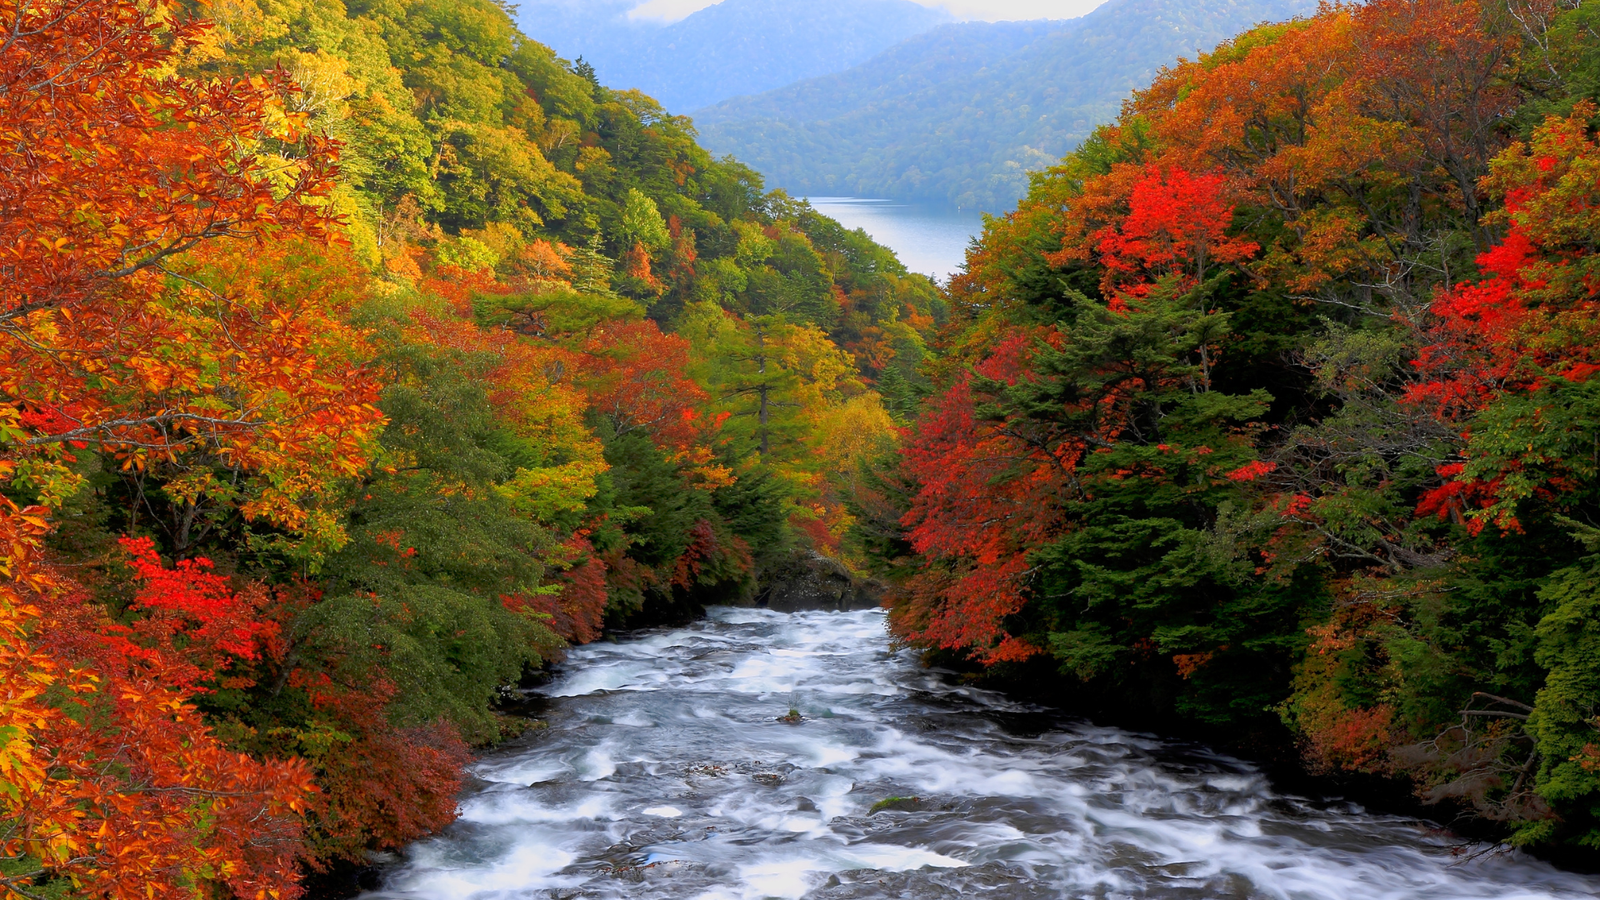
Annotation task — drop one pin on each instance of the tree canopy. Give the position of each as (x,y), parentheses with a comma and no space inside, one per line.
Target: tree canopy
(1267,414)
(355,359)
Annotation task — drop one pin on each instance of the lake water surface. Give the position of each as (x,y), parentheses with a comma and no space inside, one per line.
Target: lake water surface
(928,239)
(671,770)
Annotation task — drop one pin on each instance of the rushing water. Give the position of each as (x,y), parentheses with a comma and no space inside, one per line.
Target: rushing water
(931,240)
(665,773)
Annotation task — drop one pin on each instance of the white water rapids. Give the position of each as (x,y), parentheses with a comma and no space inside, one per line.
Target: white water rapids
(665,773)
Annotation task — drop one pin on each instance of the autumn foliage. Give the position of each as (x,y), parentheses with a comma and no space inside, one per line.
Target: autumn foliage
(1269,412)
(115,328)
(114,781)
(975,512)
(341,387)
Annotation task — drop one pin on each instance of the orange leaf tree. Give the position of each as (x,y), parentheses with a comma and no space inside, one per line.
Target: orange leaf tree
(122,325)
(125,327)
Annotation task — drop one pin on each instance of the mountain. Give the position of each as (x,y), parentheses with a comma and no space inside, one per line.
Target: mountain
(575,28)
(734,48)
(962,113)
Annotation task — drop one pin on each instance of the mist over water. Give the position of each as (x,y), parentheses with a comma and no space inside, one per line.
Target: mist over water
(931,240)
(666,773)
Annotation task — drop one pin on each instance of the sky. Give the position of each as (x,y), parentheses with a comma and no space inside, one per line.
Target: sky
(987,10)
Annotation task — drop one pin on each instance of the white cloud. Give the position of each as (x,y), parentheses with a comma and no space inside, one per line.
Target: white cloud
(668,10)
(987,10)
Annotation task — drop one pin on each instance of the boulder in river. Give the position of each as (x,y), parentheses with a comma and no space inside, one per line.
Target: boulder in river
(810,581)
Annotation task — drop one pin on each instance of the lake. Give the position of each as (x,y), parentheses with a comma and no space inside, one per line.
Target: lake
(928,239)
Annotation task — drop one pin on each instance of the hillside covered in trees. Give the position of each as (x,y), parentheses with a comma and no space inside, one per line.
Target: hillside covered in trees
(1271,414)
(358,360)
(962,114)
(354,359)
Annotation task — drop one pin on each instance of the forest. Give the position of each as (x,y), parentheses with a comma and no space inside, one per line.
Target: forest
(1270,415)
(354,361)
(358,359)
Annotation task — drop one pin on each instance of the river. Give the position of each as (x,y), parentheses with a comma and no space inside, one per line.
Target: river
(666,772)
(928,239)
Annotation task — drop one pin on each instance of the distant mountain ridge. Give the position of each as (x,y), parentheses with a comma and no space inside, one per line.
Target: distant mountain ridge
(733,48)
(962,113)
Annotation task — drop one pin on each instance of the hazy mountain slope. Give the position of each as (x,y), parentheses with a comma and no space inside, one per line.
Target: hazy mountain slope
(573,27)
(962,113)
(734,48)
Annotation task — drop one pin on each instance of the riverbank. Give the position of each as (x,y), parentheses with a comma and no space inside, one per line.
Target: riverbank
(1274,751)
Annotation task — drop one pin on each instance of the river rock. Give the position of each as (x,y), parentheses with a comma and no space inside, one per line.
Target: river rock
(810,581)
(900,804)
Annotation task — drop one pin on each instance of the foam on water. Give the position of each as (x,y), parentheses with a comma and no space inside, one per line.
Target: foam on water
(667,773)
